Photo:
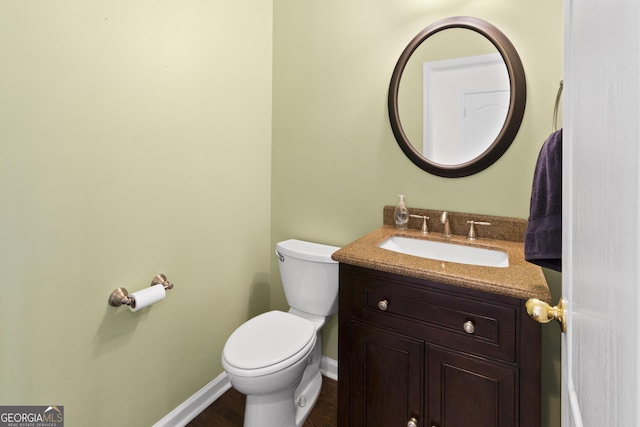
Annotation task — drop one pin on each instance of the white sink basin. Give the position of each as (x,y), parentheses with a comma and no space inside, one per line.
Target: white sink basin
(442,251)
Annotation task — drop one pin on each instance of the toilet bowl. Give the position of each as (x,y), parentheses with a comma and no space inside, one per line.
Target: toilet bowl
(274,358)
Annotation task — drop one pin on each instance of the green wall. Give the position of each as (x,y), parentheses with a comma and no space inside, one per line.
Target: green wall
(135,140)
(187,138)
(335,160)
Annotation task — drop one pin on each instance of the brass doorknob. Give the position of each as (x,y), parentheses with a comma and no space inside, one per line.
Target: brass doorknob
(542,312)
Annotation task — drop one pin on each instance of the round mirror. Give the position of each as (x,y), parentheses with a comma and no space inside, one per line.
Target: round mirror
(457,97)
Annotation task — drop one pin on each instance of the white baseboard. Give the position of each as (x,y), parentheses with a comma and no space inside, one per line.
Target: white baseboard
(208,394)
(329,368)
(190,408)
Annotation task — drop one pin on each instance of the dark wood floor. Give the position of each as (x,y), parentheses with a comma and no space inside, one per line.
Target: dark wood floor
(228,410)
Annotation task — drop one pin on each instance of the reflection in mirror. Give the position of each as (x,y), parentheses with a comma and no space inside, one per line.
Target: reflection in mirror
(457,97)
(466,103)
(454,96)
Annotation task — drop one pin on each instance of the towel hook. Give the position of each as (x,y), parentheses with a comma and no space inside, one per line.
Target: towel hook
(555,108)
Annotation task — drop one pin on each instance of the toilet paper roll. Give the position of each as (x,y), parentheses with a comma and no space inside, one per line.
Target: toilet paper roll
(146,297)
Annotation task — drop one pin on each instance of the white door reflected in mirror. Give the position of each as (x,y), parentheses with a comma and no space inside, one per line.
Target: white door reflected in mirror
(466,101)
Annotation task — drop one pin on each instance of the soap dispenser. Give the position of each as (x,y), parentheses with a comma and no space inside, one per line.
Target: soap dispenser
(401,214)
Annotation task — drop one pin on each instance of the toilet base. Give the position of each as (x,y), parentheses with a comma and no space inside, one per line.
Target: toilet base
(305,398)
(270,410)
(308,390)
(288,408)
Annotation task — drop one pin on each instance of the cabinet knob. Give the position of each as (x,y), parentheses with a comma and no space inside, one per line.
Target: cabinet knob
(383,304)
(469,327)
(412,422)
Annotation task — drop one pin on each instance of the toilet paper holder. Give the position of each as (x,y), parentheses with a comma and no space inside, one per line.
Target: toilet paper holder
(120,296)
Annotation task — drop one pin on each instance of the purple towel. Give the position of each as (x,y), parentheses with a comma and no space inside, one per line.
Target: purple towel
(543,237)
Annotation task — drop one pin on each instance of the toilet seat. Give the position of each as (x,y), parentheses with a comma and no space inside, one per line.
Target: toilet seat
(268,343)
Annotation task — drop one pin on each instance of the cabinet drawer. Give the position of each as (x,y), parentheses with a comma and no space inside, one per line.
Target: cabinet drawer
(465,323)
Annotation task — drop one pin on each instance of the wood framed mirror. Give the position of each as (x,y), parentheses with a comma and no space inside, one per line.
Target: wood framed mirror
(457,97)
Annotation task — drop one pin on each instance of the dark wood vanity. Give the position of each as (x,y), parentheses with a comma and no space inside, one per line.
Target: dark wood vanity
(417,351)
(443,355)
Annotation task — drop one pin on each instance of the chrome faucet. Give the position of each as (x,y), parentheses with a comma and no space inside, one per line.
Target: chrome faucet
(444,219)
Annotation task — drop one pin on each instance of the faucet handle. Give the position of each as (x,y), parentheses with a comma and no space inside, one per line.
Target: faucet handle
(472,230)
(425,230)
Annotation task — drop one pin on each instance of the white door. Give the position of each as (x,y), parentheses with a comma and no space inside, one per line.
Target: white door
(445,86)
(601,210)
(484,113)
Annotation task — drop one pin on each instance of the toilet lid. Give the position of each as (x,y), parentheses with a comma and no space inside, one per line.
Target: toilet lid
(268,339)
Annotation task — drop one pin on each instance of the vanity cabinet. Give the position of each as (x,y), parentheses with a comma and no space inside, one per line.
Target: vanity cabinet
(442,355)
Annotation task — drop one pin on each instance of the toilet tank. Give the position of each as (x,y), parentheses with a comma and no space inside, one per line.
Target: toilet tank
(309,276)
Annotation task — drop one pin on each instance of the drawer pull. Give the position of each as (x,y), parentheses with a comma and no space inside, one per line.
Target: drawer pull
(383,305)
(412,423)
(469,327)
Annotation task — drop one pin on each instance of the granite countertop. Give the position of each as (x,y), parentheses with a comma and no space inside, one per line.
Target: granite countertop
(521,279)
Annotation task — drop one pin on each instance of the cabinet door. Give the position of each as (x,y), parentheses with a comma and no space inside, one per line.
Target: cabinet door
(464,391)
(386,378)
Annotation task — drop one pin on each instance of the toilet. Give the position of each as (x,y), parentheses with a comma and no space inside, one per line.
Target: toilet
(274,358)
